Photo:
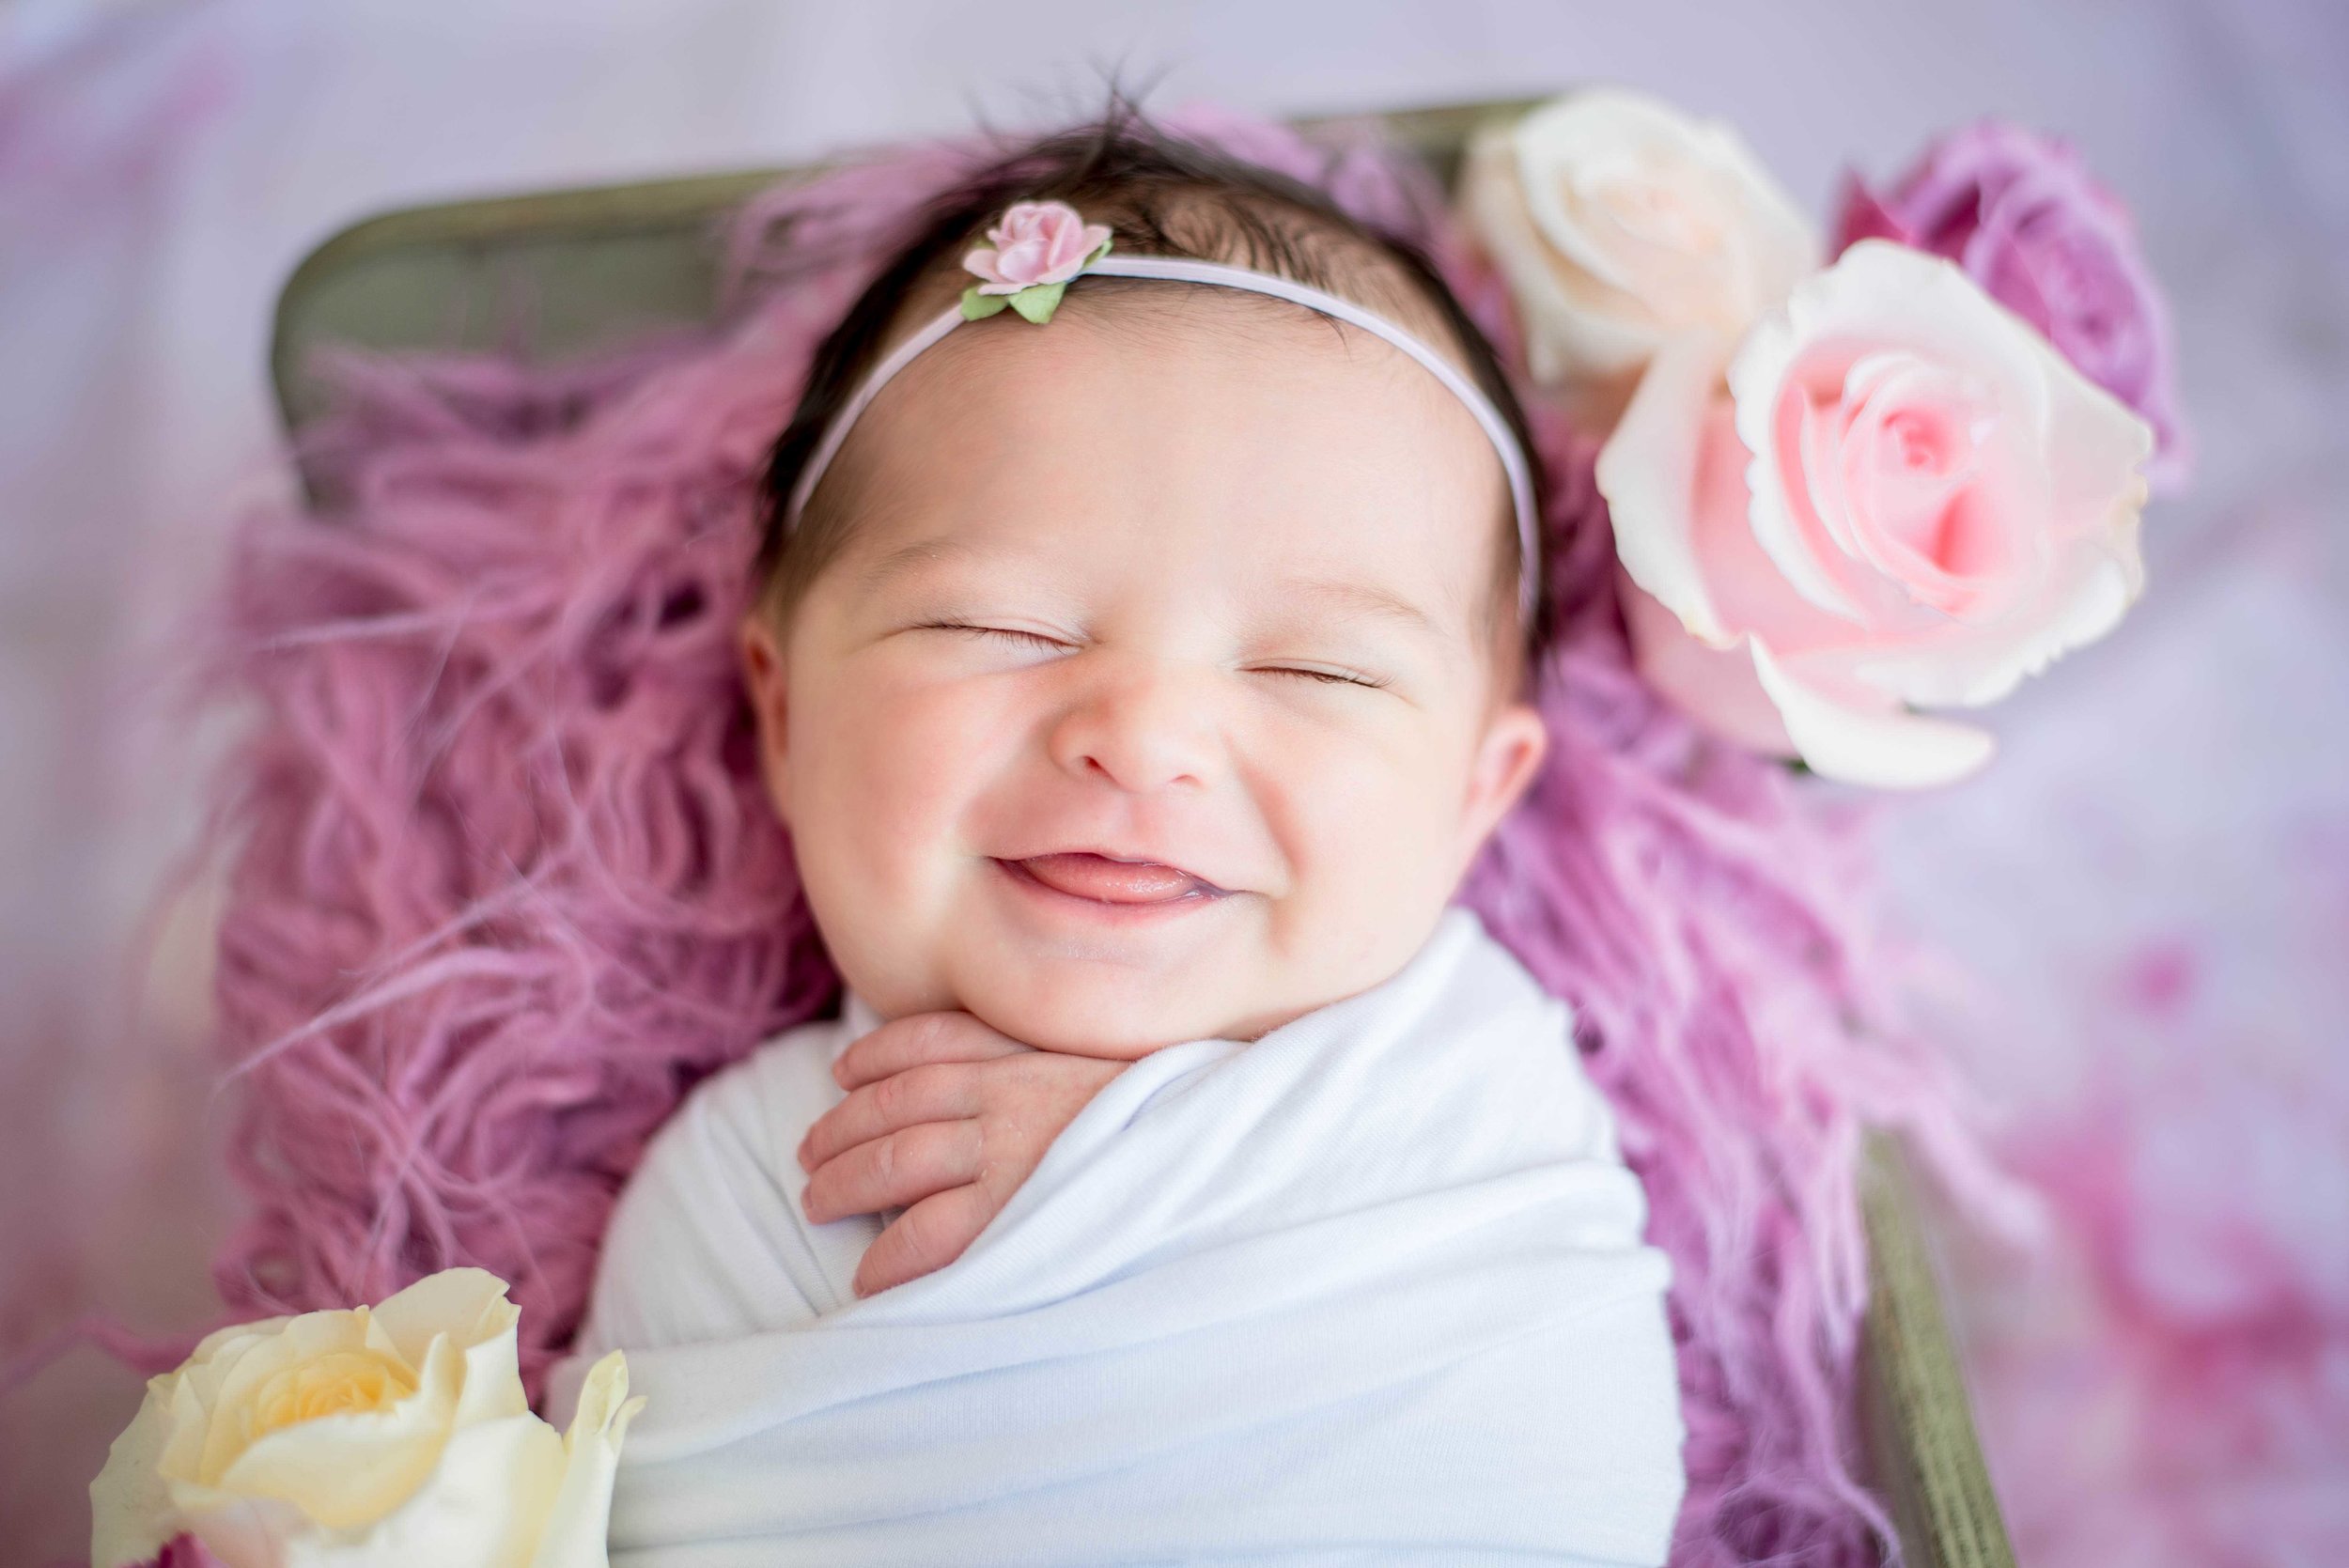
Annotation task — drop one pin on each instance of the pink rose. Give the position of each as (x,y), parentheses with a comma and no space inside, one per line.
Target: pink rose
(1035,242)
(2020,213)
(1901,497)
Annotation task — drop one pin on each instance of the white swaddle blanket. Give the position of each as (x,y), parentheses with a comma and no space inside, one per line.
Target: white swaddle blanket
(1370,1289)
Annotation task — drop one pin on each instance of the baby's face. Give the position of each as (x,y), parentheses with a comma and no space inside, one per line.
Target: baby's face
(1199,585)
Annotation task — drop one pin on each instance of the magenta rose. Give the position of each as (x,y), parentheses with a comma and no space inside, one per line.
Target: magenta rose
(1035,242)
(2021,215)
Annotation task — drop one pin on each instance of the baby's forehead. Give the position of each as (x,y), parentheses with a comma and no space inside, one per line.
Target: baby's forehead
(1265,457)
(1199,385)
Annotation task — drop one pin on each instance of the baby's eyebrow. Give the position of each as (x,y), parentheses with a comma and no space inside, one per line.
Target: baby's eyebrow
(906,557)
(1347,596)
(1358,598)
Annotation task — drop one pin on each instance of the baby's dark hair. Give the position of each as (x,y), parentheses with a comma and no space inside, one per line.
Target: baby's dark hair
(1161,194)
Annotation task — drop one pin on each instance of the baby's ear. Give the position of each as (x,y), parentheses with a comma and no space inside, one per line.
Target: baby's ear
(763,682)
(1508,755)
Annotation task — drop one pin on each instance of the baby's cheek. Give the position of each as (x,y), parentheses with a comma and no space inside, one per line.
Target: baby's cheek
(888,774)
(1357,814)
(904,768)
(1357,822)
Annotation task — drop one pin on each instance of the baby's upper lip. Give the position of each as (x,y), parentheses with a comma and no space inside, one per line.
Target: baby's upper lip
(1139,857)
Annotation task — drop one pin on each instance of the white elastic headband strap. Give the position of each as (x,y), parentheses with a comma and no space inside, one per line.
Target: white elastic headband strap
(1179,270)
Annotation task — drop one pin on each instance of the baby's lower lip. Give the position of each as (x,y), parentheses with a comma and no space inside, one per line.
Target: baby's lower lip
(1099,880)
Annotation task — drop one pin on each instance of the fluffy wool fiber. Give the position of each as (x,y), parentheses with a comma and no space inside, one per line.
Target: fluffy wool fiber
(504,884)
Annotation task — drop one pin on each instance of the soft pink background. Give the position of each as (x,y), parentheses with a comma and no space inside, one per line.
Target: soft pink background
(2152,880)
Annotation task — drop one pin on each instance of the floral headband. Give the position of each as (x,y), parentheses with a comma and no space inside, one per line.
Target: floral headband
(1037,247)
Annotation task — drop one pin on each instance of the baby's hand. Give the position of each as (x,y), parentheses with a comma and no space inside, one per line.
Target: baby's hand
(946,1117)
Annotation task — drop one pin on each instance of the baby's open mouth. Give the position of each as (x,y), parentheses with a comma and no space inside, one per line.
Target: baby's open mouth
(1105,880)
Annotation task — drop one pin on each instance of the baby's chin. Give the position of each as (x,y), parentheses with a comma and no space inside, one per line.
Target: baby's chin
(1116,1015)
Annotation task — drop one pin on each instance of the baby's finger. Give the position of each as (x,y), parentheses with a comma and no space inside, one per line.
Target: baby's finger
(939,1091)
(900,1168)
(929,1235)
(917,1038)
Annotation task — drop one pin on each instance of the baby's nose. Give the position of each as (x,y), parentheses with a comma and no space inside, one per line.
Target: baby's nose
(1142,725)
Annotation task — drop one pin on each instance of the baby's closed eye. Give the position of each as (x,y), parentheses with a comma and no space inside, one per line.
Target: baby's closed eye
(1332,675)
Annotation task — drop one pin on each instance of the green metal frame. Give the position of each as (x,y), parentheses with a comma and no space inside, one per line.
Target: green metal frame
(550,277)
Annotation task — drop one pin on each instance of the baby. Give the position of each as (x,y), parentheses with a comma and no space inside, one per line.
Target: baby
(1138,668)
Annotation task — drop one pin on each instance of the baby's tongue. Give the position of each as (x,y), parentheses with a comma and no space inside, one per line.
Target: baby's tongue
(1117,881)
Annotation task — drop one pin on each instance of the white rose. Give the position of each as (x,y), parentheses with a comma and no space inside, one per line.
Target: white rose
(369,1438)
(1620,224)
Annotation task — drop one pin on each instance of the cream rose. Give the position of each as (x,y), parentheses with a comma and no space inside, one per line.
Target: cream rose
(1901,497)
(368,1438)
(1620,224)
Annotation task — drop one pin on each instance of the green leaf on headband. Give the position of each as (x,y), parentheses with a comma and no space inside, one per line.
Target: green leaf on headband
(1038,301)
(976,305)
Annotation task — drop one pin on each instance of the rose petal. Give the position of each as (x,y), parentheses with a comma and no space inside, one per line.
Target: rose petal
(224,1389)
(250,1533)
(980,260)
(470,1305)
(2078,502)
(1573,333)
(1864,217)
(1917,486)
(348,1470)
(484,1507)
(219,1340)
(1971,668)
(1647,471)
(1772,407)
(1022,260)
(1750,592)
(132,1515)
(1884,746)
(1064,248)
(1716,686)
(579,1521)
(2090,437)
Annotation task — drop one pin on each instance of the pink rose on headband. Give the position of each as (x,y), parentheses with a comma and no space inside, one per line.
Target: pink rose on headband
(2021,214)
(1035,242)
(1899,497)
